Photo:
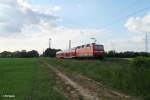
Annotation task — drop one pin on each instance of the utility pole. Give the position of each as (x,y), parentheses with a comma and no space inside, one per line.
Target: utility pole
(69,44)
(146,43)
(50,42)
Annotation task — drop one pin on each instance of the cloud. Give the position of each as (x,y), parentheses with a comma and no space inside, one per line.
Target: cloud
(133,43)
(56,8)
(35,39)
(138,24)
(15,15)
(25,26)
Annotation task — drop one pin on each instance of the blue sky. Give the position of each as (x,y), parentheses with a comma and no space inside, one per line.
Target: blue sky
(113,22)
(94,13)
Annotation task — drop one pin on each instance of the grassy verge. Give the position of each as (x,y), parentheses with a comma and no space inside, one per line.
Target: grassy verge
(115,73)
(27,79)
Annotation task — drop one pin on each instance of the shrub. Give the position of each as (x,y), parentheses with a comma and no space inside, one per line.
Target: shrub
(141,76)
(141,63)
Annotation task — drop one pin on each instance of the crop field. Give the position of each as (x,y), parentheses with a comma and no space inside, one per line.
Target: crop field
(70,79)
(26,79)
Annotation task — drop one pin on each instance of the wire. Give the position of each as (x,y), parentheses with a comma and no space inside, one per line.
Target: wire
(134,13)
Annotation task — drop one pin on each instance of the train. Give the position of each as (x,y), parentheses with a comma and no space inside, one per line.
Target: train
(91,50)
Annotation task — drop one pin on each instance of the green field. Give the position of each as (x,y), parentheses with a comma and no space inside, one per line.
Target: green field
(118,74)
(27,79)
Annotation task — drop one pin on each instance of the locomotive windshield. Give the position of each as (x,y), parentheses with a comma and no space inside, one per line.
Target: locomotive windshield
(99,47)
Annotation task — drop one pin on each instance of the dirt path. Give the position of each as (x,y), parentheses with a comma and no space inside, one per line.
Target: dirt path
(79,87)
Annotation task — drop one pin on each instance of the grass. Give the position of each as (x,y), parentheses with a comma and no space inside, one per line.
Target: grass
(115,73)
(27,79)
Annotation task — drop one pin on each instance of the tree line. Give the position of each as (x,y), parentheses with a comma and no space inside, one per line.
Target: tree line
(126,54)
(49,52)
(19,54)
(28,54)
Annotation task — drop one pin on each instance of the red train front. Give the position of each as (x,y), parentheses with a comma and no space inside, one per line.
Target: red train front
(85,51)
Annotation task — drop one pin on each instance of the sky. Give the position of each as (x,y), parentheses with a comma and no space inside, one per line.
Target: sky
(117,24)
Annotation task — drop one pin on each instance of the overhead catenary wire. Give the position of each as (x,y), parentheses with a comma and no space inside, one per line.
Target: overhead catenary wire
(132,14)
(129,15)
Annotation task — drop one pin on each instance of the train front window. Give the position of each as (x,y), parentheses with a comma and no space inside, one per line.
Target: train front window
(99,47)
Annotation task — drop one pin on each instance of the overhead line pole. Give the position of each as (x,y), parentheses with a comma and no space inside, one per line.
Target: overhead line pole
(69,44)
(146,42)
(50,42)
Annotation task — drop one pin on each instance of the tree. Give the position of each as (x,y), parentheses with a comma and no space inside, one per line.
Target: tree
(50,52)
(111,53)
(33,53)
(23,54)
(5,54)
(20,54)
(126,54)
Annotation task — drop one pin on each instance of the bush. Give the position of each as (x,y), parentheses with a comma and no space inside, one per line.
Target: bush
(32,53)
(50,52)
(141,76)
(141,62)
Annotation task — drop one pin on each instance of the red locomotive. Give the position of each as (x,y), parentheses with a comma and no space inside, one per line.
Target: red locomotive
(92,50)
